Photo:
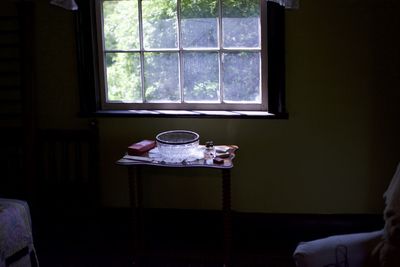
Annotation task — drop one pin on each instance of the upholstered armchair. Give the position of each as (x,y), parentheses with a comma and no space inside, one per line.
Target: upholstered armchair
(16,242)
(373,249)
(338,251)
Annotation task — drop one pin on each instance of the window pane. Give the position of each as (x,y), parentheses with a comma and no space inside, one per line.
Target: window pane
(159,23)
(242,77)
(123,77)
(201,77)
(241,23)
(161,77)
(121,25)
(199,23)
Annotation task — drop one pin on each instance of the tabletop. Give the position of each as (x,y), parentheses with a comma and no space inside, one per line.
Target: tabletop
(144,159)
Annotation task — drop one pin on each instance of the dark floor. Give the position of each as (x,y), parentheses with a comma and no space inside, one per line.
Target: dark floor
(182,238)
(170,239)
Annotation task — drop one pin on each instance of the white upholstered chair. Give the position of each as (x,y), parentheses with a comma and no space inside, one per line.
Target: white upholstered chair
(351,250)
(338,250)
(16,242)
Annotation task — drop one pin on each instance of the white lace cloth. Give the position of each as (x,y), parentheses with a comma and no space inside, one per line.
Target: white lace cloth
(197,154)
(392,208)
(286,3)
(67,4)
(392,194)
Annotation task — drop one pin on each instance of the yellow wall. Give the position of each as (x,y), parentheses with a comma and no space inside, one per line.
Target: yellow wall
(335,154)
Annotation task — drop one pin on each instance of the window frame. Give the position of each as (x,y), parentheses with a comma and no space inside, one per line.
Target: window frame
(90,80)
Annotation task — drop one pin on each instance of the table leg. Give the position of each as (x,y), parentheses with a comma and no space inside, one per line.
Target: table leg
(135,195)
(226,209)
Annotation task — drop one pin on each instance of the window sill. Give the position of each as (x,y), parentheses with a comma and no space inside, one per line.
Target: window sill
(190,114)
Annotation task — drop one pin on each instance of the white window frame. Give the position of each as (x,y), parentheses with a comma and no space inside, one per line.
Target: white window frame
(263,106)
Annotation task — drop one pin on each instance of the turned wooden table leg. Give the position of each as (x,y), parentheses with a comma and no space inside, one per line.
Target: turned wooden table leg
(135,195)
(227,216)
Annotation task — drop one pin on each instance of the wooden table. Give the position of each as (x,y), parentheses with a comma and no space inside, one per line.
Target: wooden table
(135,193)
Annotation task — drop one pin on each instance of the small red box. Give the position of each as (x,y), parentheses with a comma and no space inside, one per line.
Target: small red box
(141,147)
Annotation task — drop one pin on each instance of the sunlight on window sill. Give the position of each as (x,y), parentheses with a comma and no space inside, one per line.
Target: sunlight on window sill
(190,113)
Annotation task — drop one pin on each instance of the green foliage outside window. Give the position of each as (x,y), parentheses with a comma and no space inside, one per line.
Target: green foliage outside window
(161,77)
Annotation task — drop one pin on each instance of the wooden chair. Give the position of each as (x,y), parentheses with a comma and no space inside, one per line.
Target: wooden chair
(67,180)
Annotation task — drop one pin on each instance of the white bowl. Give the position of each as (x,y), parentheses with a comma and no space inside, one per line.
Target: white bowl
(177,145)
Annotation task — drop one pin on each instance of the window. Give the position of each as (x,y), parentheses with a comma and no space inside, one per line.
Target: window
(184,55)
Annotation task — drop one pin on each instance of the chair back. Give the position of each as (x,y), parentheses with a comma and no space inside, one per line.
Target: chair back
(68,169)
